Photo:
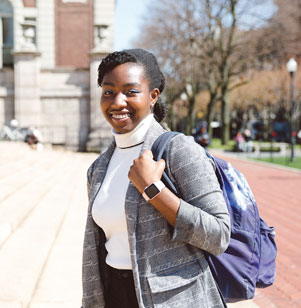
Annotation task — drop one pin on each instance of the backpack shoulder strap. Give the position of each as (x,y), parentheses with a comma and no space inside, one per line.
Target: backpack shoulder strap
(158,149)
(160,144)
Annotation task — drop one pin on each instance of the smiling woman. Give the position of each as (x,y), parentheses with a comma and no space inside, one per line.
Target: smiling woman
(126,98)
(143,244)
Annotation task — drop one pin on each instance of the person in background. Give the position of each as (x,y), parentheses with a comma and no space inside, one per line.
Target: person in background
(239,142)
(201,136)
(11,132)
(143,245)
(248,141)
(33,139)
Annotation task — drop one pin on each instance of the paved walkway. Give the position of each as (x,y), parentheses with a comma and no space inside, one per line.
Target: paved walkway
(42,215)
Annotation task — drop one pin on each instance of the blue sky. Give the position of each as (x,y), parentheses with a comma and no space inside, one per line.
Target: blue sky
(127,19)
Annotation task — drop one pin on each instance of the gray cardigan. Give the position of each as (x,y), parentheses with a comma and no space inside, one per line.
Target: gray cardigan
(169,266)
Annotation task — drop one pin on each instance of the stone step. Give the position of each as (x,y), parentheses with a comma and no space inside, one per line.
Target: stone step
(24,256)
(60,282)
(17,207)
(18,179)
(10,304)
(14,151)
(28,159)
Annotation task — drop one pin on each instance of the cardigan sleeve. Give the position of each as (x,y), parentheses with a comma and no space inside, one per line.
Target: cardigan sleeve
(202,219)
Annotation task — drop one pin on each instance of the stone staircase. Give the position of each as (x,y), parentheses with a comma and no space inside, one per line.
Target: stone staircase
(42,216)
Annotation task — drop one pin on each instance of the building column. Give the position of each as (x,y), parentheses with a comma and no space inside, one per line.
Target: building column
(1,43)
(100,134)
(27,88)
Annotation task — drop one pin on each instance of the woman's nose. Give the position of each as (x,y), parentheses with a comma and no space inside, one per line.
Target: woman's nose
(120,100)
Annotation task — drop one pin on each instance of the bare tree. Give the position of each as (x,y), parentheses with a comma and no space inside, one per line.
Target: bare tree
(281,37)
(287,21)
(200,46)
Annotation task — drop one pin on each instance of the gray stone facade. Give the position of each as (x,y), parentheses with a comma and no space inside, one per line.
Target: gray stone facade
(6,95)
(61,101)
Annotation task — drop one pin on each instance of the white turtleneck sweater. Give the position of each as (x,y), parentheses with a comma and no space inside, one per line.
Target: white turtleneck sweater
(108,207)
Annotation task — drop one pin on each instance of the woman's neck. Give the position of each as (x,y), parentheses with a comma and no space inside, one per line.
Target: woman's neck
(136,136)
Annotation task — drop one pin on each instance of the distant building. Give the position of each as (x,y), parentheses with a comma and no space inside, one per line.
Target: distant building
(49,54)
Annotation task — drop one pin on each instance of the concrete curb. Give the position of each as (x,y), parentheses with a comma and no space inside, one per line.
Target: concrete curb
(243,304)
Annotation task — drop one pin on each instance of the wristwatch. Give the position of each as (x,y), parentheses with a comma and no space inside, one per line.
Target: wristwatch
(151,191)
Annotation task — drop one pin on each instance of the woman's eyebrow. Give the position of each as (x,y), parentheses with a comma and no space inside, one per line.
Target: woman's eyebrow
(132,84)
(129,84)
(107,83)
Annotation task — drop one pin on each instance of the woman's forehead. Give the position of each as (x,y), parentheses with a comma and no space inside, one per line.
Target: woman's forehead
(126,73)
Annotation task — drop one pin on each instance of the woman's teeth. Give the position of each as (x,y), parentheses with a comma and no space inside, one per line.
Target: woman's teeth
(120,116)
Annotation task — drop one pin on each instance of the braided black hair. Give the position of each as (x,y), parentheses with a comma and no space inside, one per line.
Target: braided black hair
(151,68)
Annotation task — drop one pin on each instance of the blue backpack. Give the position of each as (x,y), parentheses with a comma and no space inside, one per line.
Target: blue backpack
(249,261)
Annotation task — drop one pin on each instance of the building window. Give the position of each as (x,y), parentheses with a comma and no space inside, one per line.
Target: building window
(8,40)
(6,33)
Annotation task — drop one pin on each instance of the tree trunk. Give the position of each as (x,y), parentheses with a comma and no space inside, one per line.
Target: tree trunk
(172,118)
(225,118)
(210,113)
(190,117)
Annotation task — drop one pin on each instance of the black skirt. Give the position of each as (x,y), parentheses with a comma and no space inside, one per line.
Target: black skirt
(120,290)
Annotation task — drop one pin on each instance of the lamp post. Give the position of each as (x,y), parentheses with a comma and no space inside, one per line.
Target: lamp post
(291,68)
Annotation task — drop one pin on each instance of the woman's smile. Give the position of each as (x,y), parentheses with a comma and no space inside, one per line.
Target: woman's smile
(120,116)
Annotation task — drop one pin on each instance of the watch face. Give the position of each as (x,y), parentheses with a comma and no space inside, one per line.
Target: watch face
(152,191)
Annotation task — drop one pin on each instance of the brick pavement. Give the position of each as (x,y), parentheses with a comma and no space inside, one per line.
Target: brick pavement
(278,195)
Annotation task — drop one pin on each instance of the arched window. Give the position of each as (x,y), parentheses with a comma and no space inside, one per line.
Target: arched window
(6,33)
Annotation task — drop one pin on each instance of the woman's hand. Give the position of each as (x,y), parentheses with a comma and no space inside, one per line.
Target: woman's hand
(145,170)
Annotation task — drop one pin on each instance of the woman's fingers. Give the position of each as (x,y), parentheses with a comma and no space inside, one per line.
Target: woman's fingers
(148,153)
(145,170)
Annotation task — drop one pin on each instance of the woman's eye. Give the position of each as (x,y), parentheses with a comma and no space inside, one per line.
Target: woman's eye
(107,92)
(132,92)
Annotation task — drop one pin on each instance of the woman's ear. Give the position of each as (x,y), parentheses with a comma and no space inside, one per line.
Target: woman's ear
(154,96)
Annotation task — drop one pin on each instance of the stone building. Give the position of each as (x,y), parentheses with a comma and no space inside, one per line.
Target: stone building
(49,54)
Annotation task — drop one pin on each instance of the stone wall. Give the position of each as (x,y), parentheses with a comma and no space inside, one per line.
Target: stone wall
(6,96)
(65,101)
(45,33)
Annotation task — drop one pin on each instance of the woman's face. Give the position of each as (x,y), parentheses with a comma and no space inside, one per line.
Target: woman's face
(126,98)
